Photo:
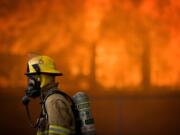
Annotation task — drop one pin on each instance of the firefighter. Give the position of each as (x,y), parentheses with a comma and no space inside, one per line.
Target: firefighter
(57,117)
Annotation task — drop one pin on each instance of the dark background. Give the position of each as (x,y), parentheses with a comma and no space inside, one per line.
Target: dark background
(116,114)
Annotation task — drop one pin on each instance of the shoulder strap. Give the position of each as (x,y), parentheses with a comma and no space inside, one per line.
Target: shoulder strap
(55,91)
(73,107)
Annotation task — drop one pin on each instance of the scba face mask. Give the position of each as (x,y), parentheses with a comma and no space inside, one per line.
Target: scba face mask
(33,89)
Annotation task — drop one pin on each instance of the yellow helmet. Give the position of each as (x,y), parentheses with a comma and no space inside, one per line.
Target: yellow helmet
(42,65)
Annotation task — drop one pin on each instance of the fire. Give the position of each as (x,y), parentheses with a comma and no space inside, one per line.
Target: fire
(121,32)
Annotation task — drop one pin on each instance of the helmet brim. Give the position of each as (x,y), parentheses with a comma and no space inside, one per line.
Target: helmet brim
(46,73)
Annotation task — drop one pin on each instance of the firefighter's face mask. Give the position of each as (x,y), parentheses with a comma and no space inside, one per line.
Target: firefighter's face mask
(33,88)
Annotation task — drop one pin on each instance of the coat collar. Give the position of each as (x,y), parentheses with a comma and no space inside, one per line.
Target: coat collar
(49,87)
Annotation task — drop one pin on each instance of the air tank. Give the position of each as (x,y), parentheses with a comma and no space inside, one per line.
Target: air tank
(82,103)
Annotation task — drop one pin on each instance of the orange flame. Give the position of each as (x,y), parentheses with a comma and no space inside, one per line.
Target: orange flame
(121,31)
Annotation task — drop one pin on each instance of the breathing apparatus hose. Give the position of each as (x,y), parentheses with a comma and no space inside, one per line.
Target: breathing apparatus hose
(26,101)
